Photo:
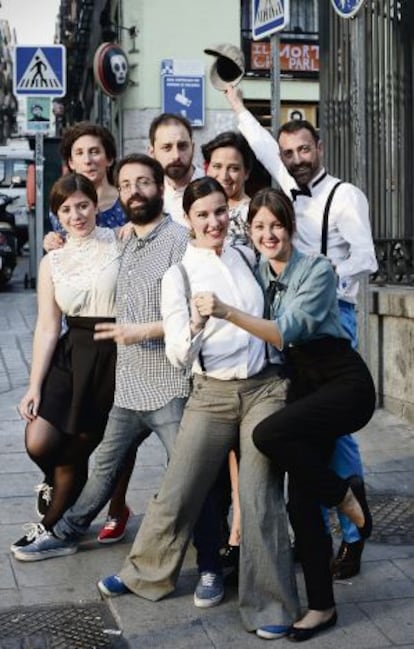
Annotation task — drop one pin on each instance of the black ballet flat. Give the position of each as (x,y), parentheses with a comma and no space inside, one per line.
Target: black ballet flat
(356,484)
(300,635)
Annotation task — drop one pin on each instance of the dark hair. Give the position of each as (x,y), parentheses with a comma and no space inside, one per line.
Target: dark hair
(199,189)
(142,159)
(164,120)
(80,129)
(278,203)
(227,139)
(68,185)
(295,125)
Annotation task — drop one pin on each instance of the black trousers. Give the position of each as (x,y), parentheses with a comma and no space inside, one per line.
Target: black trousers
(332,394)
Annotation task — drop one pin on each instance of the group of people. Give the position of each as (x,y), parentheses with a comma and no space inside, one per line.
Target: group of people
(176,328)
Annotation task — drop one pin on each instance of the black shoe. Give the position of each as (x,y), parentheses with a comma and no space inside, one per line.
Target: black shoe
(300,635)
(44,498)
(230,556)
(230,562)
(356,484)
(347,562)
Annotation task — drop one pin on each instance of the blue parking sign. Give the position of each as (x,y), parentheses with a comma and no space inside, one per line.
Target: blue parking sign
(182,94)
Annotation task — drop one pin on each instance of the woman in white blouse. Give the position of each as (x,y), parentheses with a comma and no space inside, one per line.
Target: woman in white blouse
(72,377)
(234,388)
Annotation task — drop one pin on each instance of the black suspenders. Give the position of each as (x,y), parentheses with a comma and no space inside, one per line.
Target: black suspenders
(324,238)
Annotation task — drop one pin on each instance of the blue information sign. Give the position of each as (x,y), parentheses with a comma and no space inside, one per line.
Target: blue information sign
(347,8)
(39,70)
(182,93)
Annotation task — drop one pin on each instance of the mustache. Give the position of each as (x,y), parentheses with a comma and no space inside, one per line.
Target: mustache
(302,166)
(136,197)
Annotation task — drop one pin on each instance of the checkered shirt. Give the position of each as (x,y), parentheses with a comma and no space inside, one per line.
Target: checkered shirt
(145,379)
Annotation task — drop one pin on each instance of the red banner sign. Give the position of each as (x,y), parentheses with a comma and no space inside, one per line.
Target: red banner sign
(294,57)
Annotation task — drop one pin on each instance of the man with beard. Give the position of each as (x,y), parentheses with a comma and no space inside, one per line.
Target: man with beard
(332,218)
(171,143)
(150,393)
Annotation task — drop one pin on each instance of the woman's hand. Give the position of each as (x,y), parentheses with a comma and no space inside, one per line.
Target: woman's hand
(123,334)
(53,241)
(208,304)
(198,321)
(125,231)
(29,405)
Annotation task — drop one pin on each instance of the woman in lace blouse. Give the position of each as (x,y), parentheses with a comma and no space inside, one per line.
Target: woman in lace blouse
(72,377)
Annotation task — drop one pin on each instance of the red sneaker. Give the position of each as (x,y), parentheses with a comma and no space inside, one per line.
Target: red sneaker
(114,528)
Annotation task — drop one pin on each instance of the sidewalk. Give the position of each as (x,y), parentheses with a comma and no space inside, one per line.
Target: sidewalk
(376,609)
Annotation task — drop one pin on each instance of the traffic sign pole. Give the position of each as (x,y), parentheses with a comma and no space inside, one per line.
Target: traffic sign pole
(275,85)
(268,18)
(39,162)
(39,71)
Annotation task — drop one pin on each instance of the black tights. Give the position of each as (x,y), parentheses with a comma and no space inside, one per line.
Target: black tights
(64,461)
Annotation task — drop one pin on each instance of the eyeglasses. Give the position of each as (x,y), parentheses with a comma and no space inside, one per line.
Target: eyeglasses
(140,183)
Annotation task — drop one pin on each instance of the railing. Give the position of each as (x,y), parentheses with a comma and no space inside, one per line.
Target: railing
(395,262)
(368,60)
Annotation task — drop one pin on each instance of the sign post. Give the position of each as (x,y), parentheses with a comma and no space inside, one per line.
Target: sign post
(39,162)
(268,18)
(39,71)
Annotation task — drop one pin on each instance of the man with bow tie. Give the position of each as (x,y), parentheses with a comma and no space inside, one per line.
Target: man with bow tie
(332,218)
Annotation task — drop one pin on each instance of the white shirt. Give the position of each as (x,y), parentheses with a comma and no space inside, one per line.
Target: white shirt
(85,272)
(173,198)
(349,244)
(228,351)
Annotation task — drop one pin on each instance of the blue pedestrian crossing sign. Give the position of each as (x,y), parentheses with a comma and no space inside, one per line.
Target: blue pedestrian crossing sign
(347,8)
(269,17)
(39,70)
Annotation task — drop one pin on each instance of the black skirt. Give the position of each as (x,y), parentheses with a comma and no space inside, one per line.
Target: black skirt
(78,391)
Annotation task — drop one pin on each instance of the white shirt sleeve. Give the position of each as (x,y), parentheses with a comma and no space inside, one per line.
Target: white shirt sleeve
(181,349)
(266,149)
(352,213)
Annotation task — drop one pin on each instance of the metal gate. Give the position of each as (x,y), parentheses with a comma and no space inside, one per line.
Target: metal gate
(366,120)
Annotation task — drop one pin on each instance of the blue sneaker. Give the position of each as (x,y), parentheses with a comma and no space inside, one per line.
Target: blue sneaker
(272,631)
(209,590)
(112,586)
(45,546)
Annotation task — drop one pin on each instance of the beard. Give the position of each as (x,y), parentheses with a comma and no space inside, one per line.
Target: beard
(177,171)
(304,172)
(147,211)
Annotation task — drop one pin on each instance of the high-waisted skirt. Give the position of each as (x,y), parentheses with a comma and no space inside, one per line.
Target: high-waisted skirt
(78,390)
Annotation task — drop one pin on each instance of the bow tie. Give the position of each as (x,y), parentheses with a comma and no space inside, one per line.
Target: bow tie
(274,287)
(303,191)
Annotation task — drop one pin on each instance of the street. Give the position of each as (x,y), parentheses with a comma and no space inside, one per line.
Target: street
(375,609)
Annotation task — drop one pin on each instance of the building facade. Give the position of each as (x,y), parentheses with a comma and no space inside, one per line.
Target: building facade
(8,102)
(155,34)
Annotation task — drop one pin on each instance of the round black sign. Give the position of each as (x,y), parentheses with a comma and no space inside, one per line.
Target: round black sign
(110,67)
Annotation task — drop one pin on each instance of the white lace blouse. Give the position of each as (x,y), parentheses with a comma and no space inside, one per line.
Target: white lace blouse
(84,274)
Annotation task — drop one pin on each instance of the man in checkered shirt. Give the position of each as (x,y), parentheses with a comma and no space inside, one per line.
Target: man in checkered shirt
(150,393)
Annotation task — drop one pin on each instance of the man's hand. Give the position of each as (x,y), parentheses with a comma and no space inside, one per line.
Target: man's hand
(52,241)
(123,334)
(208,304)
(235,98)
